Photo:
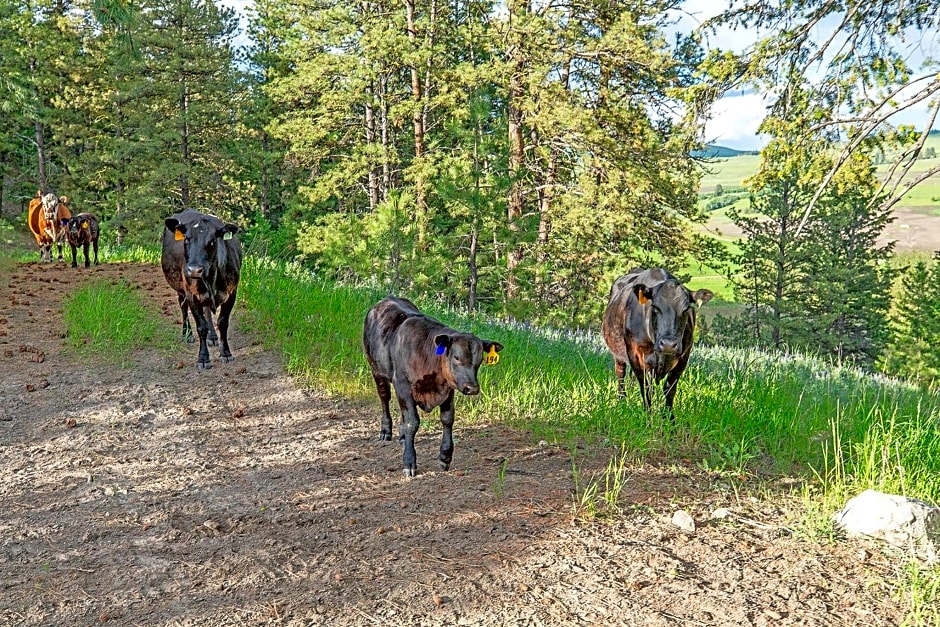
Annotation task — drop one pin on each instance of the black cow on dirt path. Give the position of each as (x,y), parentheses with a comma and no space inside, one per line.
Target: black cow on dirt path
(425,361)
(83,231)
(202,260)
(648,323)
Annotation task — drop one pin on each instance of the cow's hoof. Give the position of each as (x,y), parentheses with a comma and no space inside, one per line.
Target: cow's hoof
(409,472)
(443,465)
(385,437)
(226,359)
(212,342)
(203,365)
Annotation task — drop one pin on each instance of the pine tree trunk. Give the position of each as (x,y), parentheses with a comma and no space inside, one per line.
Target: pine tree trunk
(184,149)
(421,208)
(370,139)
(517,8)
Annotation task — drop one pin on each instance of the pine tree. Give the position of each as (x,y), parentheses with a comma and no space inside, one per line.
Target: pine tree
(915,324)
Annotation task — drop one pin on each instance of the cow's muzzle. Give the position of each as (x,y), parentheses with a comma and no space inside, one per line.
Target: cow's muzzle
(194,272)
(667,345)
(470,389)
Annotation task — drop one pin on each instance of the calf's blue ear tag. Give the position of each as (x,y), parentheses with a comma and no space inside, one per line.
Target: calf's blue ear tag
(440,349)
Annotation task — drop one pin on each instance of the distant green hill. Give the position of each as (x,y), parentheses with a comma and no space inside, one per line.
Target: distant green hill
(715,152)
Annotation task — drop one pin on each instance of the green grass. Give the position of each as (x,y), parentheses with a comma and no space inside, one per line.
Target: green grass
(746,415)
(108,319)
(736,408)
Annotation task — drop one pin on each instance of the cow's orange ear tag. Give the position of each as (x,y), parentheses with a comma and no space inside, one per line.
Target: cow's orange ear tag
(178,236)
(85,225)
(492,357)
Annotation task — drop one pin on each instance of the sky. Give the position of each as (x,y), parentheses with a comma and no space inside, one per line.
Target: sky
(735,117)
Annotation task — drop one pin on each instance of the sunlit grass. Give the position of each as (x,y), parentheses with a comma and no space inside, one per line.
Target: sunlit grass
(736,408)
(108,319)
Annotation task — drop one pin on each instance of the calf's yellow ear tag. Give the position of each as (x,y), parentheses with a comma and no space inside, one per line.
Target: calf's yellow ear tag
(492,357)
(177,236)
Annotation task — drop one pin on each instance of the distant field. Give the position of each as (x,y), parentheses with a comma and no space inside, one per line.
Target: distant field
(917,223)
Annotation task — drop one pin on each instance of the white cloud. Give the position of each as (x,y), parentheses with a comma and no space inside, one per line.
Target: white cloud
(735,120)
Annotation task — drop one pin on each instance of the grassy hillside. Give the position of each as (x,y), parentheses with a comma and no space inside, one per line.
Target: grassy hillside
(730,172)
(740,412)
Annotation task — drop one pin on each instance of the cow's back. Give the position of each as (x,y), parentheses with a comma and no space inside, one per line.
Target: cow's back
(33,217)
(623,323)
(380,329)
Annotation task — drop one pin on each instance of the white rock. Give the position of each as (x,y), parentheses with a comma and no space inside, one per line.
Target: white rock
(721,513)
(683,520)
(900,521)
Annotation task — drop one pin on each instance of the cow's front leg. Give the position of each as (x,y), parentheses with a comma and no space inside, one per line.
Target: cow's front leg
(225,312)
(384,390)
(85,250)
(74,257)
(670,387)
(184,309)
(645,382)
(202,329)
(409,427)
(620,369)
(213,338)
(447,437)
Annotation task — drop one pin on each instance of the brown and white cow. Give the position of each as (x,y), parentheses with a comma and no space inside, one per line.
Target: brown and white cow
(202,260)
(425,361)
(648,324)
(45,216)
(82,230)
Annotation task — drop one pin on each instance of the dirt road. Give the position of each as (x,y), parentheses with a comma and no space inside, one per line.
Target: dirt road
(155,495)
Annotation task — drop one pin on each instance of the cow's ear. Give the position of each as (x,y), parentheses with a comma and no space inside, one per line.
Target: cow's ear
(227,231)
(491,346)
(643,293)
(442,342)
(64,200)
(702,296)
(172,224)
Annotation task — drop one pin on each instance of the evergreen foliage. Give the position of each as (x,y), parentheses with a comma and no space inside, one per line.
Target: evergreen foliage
(915,323)
(508,157)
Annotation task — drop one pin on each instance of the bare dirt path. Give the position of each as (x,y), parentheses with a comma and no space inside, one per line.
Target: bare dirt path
(155,495)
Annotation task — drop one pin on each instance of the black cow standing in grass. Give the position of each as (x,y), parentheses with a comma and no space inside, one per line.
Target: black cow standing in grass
(202,260)
(648,324)
(82,230)
(425,361)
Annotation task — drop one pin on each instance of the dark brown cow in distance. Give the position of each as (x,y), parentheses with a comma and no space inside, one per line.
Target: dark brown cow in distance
(648,324)
(44,216)
(82,230)
(425,361)
(202,260)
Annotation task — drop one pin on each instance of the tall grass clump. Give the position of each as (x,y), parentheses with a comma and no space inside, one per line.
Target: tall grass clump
(317,326)
(109,319)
